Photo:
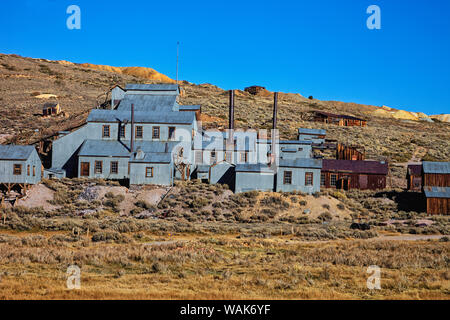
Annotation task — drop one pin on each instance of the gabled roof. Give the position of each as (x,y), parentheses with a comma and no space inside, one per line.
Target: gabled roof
(153,157)
(301,163)
(355,166)
(342,116)
(144,102)
(256,168)
(152,87)
(114,148)
(436,167)
(100,115)
(437,192)
(15,152)
(320,132)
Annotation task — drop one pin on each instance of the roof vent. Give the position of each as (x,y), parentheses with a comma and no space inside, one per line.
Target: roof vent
(140,154)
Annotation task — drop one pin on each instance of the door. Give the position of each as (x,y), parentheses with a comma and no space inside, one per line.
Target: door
(85,169)
(363,181)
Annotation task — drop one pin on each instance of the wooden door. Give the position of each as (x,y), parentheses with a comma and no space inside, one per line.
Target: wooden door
(363,181)
(85,169)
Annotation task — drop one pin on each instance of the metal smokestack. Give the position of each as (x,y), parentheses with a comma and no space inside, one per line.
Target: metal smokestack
(132,129)
(275,106)
(231,115)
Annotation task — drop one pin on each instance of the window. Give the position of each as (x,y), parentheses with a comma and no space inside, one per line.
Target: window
(149,172)
(213,156)
(333,179)
(98,167)
(155,133)
(198,156)
(300,149)
(322,179)
(309,176)
(106,131)
(34,171)
(17,170)
(28,170)
(172,133)
(287,178)
(114,167)
(139,132)
(244,156)
(122,131)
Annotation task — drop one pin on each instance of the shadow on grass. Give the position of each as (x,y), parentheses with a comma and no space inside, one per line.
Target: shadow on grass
(406,201)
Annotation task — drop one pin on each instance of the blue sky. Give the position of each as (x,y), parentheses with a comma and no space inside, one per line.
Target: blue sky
(319,48)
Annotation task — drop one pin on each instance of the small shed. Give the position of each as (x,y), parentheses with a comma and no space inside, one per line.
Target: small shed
(339,119)
(438,200)
(255,90)
(51,109)
(353,152)
(251,177)
(348,174)
(414,177)
(20,166)
(436,174)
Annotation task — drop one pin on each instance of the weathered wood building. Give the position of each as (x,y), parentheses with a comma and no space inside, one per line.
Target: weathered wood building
(344,152)
(51,109)
(436,186)
(348,174)
(339,119)
(414,177)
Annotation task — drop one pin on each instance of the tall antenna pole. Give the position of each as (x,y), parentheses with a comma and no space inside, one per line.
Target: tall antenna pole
(178,54)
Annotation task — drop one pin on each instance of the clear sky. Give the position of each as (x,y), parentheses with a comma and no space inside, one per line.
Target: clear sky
(321,48)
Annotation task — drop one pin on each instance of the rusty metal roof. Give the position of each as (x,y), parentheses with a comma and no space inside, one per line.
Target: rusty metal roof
(355,166)
(415,169)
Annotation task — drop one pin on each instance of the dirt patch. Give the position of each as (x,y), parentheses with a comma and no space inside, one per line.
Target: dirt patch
(38,196)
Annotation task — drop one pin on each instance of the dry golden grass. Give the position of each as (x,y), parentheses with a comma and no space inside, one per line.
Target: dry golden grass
(223,267)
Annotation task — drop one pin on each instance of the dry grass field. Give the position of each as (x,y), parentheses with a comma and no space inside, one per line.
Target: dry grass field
(221,267)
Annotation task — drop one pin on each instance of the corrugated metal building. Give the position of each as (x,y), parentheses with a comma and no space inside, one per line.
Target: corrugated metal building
(251,177)
(299,175)
(19,165)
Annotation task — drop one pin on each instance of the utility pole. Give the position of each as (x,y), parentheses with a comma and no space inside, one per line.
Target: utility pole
(178,54)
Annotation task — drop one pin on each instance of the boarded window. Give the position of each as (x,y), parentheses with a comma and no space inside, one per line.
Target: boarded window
(28,170)
(155,133)
(106,131)
(322,179)
(98,167)
(149,172)
(198,156)
(17,170)
(172,133)
(114,167)
(309,177)
(85,169)
(139,132)
(122,131)
(333,179)
(287,177)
